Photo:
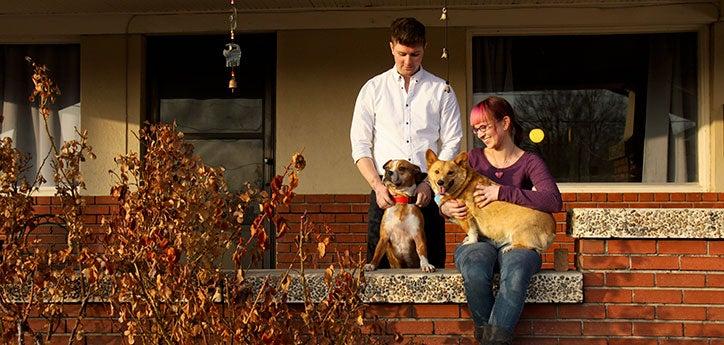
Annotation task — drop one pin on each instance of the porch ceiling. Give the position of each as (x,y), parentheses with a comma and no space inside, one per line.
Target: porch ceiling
(62,7)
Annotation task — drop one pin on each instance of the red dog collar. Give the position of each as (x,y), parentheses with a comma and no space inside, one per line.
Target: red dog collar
(401,199)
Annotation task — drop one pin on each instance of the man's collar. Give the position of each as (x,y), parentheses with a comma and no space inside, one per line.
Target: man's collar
(417,76)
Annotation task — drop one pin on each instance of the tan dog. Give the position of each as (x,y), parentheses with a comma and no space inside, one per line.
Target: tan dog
(502,222)
(402,233)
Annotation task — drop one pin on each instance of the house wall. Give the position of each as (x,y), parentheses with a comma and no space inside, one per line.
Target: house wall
(319,74)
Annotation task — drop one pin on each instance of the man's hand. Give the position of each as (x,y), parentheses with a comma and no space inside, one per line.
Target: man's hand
(454,208)
(484,195)
(424,194)
(384,200)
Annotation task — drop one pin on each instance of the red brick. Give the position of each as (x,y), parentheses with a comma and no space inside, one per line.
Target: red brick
(598,295)
(657,296)
(352,198)
(615,197)
(335,208)
(359,208)
(708,196)
(676,279)
(598,197)
(716,248)
(704,296)
(106,200)
(715,280)
(680,313)
(702,263)
(566,197)
(389,310)
(677,197)
(556,328)
(533,341)
(614,311)
(629,279)
(581,311)
(348,218)
(582,341)
(301,208)
(661,197)
(672,329)
(436,311)
(429,339)
(539,311)
(411,327)
(646,197)
(669,341)
(715,313)
(453,327)
(593,279)
(319,198)
(606,328)
(583,197)
(678,205)
(703,330)
(654,263)
(592,246)
(682,247)
(629,197)
(608,262)
(632,341)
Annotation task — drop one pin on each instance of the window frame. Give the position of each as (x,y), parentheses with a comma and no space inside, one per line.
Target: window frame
(704,139)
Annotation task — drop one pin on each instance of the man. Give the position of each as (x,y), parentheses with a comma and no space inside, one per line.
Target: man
(399,114)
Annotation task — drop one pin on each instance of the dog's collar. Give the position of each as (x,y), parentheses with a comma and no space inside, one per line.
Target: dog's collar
(401,199)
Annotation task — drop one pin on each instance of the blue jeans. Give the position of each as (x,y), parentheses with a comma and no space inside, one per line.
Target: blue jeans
(477,262)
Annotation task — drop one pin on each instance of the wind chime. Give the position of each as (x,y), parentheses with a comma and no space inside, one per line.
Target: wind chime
(232,51)
(443,18)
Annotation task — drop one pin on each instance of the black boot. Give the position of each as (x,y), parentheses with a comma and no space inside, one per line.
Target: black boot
(499,336)
(482,334)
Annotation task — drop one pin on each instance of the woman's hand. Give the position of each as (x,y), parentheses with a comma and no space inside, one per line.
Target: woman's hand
(424,194)
(454,208)
(484,195)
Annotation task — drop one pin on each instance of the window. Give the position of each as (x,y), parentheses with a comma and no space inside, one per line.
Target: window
(613,108)
(22,121)
(187,83)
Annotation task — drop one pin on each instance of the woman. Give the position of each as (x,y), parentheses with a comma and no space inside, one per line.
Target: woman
(523,179)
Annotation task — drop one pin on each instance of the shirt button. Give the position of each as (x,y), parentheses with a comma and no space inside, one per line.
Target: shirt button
(407,105)
(407,123)
(408,141)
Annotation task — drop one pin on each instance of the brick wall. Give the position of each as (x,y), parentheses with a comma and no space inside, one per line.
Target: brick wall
(346,216)
(641,292)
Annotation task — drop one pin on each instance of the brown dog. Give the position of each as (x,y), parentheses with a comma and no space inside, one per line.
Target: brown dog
(502,222)
(402,234)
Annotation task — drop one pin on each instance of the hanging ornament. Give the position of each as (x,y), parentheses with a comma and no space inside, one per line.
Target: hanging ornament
(232,51)
(444,56)
(232,81)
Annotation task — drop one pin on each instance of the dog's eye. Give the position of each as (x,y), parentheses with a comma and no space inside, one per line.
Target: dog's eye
(437,171)
(449,173)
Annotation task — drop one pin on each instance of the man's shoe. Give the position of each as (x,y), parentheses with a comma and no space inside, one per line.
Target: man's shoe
(499,336)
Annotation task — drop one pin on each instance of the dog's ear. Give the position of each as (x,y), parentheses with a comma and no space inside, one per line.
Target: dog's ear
(386,166)
(461,159)
(419,175)
(431,157)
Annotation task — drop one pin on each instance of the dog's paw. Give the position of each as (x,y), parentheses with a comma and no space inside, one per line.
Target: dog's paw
(427,268)
(369,267)
(469,240)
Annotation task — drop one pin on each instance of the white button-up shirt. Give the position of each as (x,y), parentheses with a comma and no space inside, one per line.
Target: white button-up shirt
(392,123)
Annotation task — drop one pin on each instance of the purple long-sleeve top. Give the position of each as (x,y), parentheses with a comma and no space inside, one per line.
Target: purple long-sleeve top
(518,180)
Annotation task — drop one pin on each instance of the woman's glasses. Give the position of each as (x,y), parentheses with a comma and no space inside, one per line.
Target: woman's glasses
(482,128)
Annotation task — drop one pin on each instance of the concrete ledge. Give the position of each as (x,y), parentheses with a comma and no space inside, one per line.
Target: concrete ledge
(646,223)
(444,286)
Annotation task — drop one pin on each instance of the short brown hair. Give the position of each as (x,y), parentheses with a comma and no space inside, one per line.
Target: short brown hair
(407,31)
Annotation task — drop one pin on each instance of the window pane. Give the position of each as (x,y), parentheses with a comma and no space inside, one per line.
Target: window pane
(234,115)
(242,159)
(614,108)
